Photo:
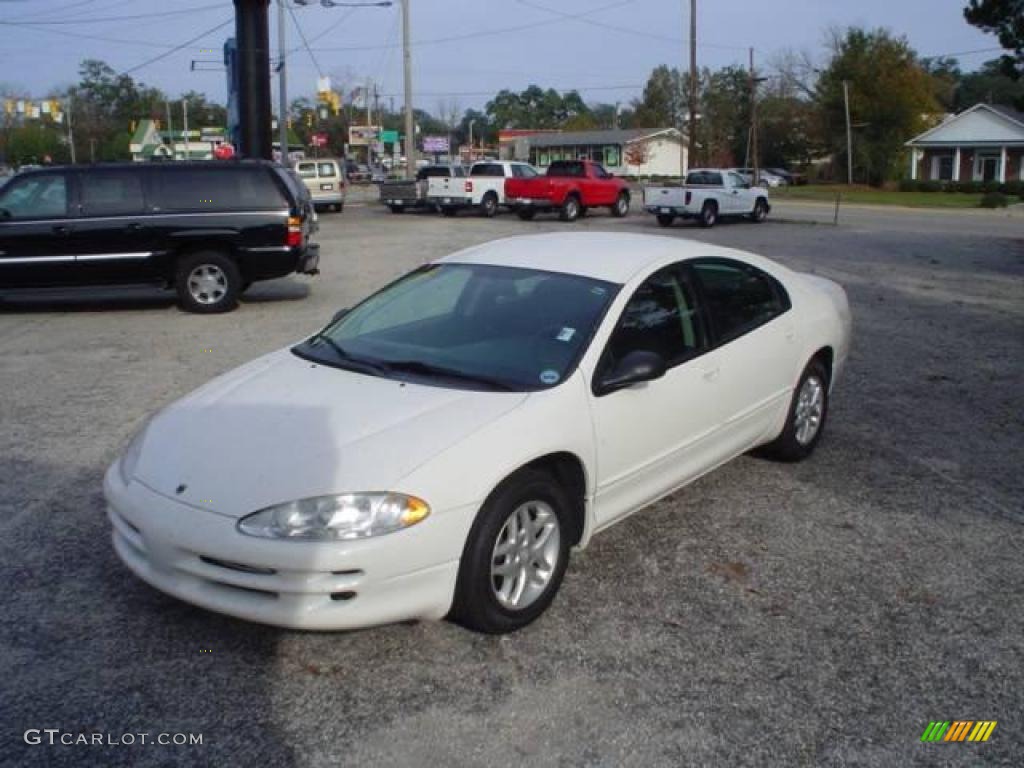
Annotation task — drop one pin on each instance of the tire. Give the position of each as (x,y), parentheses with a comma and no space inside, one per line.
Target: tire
(797,442)
(485,600)
(526,214)
(489,205)
(760,212)
(708,215)
(621,207)
(397,208)
(665,219)
(448,211)
(570,209)
(207,282)
(246,285)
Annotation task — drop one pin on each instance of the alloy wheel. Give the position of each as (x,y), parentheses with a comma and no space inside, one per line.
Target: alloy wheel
(525,555)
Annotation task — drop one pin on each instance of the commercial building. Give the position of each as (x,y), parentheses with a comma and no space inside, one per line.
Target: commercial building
(148,142)
(625,152)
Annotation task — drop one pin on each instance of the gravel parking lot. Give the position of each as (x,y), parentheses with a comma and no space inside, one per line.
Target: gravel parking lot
(812,614)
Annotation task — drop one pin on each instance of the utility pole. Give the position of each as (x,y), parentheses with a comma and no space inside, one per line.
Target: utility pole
(71,132)
(753,119)
(184,120)
(282,84)
(693,86)
(170,129)
(410,133)
(849,133)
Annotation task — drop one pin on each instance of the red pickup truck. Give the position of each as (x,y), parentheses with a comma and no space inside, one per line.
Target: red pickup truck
(570,187)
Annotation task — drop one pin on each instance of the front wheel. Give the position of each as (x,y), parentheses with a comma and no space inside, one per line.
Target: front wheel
(621,207)
(665,219)
(708,215)
(570,208)
(806,419)
(207,282)
(760,212)
(515,556)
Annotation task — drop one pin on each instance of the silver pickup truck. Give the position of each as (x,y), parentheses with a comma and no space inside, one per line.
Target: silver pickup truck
(707,195)
(406,194)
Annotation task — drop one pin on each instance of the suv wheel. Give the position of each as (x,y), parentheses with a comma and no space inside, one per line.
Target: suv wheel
(207,282)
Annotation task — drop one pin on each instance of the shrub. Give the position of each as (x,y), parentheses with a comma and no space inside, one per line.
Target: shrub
(1014,188)
(929,186)
(994,200)
(908,185)
(990,186)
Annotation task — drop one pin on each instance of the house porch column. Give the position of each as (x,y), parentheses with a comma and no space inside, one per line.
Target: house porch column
(913,164)
(956,165)
(1002,165)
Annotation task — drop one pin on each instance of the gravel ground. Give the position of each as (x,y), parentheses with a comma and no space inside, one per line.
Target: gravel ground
(812,614)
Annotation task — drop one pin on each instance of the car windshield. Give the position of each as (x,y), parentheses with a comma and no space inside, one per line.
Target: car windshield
(469,326)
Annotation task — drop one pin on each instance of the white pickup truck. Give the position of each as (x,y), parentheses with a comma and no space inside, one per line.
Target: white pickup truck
(483,190)
(707,195)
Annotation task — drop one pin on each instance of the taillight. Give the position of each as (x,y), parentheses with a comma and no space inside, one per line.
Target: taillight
(689,196)
(294,237)
(469,186)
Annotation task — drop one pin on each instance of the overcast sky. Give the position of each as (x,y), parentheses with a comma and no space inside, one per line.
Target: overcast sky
(464,50)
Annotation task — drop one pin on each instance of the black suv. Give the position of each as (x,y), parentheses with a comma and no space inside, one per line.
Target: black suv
(206,229)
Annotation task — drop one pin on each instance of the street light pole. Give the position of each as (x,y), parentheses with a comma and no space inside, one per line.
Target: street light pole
(849,133)
(282,84)
(410,136)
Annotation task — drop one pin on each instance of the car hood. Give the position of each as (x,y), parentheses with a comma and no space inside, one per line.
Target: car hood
(282,428)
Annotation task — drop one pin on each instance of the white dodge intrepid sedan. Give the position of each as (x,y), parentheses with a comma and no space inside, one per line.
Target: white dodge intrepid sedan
(441,447)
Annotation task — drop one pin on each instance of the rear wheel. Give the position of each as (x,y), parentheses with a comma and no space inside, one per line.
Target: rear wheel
(489,205)
(207,282)
(447,211)
(621,207)
(526,214)
(571,208)
(708,215)
(515,556)
(665,219)
(806,419)
(760,212)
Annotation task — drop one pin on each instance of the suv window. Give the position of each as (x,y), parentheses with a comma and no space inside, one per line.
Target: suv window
(739,297)
(487,169)
(40,196)
(111,193)
(306,170)
(218,189)
(662,317)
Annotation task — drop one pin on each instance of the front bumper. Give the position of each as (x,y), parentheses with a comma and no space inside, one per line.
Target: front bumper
(199,556)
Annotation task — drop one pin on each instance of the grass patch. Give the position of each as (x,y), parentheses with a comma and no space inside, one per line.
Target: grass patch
(859,194)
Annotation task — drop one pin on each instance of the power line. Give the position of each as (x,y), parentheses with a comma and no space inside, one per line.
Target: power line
(114,19)
(305,42)
(177,48)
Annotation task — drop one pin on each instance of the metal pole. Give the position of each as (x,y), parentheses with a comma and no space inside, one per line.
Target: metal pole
(369,122)
(184,120)
(849,133)
(693,85)
(410,133)
(753,120)
(71,132)
(471,140)
(170,129)
(252,32)
(282,84)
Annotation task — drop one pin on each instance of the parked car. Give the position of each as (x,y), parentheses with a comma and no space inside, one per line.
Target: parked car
(208,230)
(403,194)
(792,179)
(356,173)
(483,190)
(324,179)
(707,195)
(767,178)
(440,448)
(569,187)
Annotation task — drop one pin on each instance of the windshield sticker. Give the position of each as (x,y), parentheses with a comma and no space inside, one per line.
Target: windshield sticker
(549,376)
(597,290)
(566,334)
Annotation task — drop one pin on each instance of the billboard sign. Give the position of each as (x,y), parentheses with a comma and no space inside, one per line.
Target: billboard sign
(435,144)
(362,135)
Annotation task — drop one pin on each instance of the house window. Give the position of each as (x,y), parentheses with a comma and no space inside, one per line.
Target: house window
(942,168)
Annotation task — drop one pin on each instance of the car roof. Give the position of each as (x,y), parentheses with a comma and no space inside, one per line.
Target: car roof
(610,256)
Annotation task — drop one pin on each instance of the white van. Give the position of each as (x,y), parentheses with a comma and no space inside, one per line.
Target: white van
(325,181)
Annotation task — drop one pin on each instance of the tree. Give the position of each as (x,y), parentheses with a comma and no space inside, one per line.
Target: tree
(891,96)
(536,108)
(1005,19)
(664,100)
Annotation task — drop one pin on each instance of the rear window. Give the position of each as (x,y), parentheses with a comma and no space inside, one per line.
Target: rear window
(326,170)
(111,193)
(571,168)
(434,171)
(704,178)
(487,169)
(218,189)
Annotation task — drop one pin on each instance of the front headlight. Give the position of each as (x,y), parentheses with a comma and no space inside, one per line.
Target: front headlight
(336,518)
(130,457)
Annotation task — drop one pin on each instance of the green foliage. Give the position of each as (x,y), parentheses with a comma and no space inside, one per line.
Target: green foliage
(535,108)
(1005,19)
(664,100)
(890,93)
(994,200)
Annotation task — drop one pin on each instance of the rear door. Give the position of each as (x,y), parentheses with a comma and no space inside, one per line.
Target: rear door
(113,237)
(35,231)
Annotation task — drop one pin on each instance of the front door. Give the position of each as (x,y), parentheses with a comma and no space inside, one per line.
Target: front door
(986,167)
(35,232)
(650,437)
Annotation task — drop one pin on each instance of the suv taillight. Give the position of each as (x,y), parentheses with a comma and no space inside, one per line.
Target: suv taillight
(294,237)
(469,186)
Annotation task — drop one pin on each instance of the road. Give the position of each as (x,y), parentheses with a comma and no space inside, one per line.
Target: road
(820,613)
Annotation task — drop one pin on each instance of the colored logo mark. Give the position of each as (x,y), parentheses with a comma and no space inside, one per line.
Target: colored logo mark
(959,730)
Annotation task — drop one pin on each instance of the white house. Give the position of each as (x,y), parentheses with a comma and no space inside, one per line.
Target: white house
(633,152)
(983,143)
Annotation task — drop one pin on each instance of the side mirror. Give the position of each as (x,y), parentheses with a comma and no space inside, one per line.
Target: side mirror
(636,367)
(338,315)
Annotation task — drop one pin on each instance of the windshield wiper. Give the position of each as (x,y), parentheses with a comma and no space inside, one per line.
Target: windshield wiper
(344,355)
(429,369)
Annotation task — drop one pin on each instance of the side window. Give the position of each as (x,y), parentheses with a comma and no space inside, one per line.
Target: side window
(523,172)
(600,172)
(307,170)
(216,189)
(739,297)
(43,196)
(326,170)
(737,181)
(662,317)
(111,193)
